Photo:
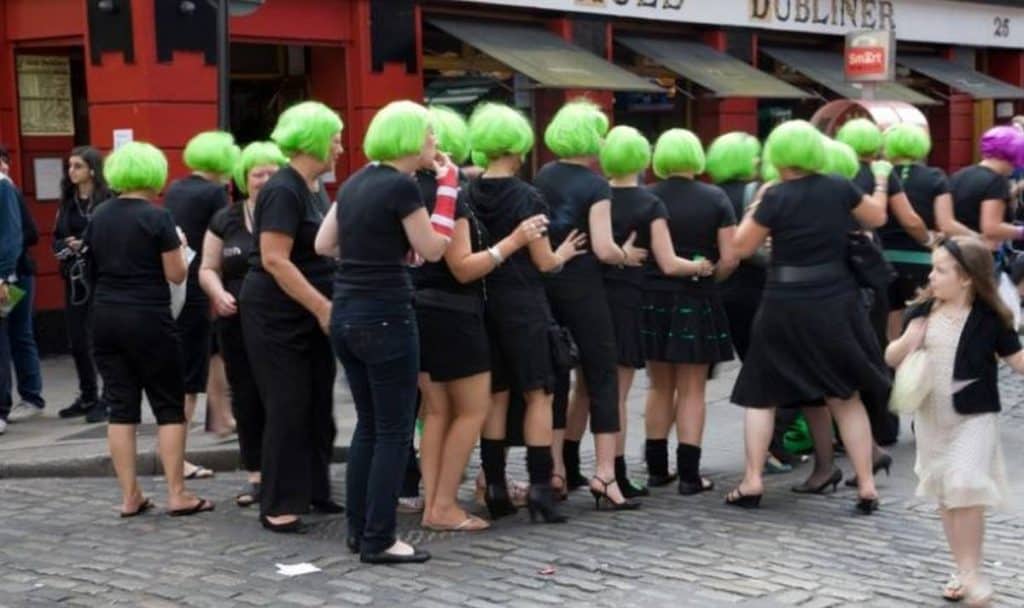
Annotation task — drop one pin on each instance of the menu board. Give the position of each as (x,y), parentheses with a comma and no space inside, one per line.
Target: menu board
(44,95)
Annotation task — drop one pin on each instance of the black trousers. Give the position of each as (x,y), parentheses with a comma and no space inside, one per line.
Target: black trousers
(885,426)
(246,404)
(137,349)
(294,369)
(78,319)
(584,311)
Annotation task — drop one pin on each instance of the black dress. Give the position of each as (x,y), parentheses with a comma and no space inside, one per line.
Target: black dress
(741,292)
(684,321)
(811,339)
(633,210)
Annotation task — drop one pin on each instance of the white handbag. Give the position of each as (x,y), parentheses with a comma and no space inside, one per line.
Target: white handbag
(178,290)
(912,383)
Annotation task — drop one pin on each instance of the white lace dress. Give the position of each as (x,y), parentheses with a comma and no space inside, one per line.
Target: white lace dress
(959,458)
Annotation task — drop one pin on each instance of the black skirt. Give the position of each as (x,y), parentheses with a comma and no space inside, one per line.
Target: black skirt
(517,325)
(625,302)
(685,327)
(453,344)
(805,349)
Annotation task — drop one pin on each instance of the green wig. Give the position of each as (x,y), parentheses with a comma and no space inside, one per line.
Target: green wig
(136,166)
(840,159)
(862,135)
(733,156)
(255,154)
(576,130)
(907,141)
(796,144)
(397,130)
(678,151)
(496,130)
(307,127)
(625,152)
(452,133)
(768,171)
(212,151)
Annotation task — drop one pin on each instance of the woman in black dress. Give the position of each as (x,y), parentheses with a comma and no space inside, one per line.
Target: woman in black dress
(812,342)
(226,249)
(684,323)
(518,317)
(635,211)
(82,189)
(134,250)
(285,310)
(450,316)
(580,200)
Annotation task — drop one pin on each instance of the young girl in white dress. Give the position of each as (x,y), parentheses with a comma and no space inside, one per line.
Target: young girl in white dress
(964,328)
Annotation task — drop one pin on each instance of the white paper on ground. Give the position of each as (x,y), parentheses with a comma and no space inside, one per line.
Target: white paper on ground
(296,569)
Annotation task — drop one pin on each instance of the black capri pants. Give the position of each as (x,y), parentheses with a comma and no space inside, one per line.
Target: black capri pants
(246,404)
(194,328)
(137,349)
(583,310)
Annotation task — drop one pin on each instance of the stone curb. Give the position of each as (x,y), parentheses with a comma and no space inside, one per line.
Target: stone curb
(148,463)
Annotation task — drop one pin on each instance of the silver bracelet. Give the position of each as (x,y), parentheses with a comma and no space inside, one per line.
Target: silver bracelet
(495,255)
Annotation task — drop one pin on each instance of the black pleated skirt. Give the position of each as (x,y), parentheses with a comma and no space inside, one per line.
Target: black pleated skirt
(625,302)
(685,327)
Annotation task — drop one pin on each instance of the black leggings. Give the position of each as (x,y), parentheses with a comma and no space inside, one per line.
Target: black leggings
(586,315)
(78,318)
(246,404)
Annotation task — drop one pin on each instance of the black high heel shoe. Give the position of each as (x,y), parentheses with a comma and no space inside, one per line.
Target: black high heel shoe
(866,506)
(561,491)
(883,463)
(833,480)
(737,498)
(601,497)
(541,503)
(498,503)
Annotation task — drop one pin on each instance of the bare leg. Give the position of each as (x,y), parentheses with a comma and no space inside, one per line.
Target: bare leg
(469,404)
(758,424)
(436,411)
(855,429)
(659,413)
(820,422)
(537,426)
(218,398)
(690,381)
(172,457)
(191,400)
(121,442)
(604,446)
(966,533)
(625,383)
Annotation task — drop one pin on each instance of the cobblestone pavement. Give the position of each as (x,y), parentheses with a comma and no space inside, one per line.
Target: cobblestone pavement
(61,543)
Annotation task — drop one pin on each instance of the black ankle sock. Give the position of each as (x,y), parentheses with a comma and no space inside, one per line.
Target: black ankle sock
(539,464)
(688,461)
(656,455)
(571,457)
(620,470)
(492,459)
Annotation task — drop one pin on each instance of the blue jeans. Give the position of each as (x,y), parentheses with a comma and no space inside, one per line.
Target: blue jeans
(24,353)
(378,345)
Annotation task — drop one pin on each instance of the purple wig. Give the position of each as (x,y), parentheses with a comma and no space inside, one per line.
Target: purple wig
(1004,143)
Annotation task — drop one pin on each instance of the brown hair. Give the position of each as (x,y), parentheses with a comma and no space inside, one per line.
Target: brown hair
(973,261)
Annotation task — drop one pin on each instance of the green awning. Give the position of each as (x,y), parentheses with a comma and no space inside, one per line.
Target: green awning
(961,77)
(544,57)
(826,69)
(722,74)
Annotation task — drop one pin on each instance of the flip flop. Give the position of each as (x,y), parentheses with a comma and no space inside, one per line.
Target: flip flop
(200,507)
(470,524)
(200,473)
(144,506)
(249,495)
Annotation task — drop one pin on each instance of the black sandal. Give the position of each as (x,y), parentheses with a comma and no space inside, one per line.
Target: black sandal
(249,495)
(737,498)
(144,506)
(201,506)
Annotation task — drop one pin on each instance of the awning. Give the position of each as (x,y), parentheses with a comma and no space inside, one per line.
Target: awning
(826,69)
(961,77)
(722,74)
(544,57)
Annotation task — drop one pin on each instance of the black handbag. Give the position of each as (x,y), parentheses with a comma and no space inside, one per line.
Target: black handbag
(565,354)
(867,262)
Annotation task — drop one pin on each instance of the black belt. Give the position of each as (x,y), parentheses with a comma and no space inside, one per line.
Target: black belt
(830,271)
(436,298)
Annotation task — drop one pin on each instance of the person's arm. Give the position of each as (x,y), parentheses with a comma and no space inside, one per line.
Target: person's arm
(910,341)
(11,243)
(602,242)
(275,256)
(175,268)
(552,260)
(1016,361)
(870,212)
(727,258)
(993,227)
(210,279)
(749,237)
(326,243)
(468,266)
(421,234)
(945,218)
(665,256)
(911,222)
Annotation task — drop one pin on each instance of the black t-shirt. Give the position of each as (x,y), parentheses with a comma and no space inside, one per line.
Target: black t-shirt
(500,204)
(286,205)
(809,221)
(747,275)
(192,202)
(696,212)
(921,185)
(228,225)
(371,206)
(127,238)
(570,191)
(437,275)
(633,210)
(865,180)
(971,186)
